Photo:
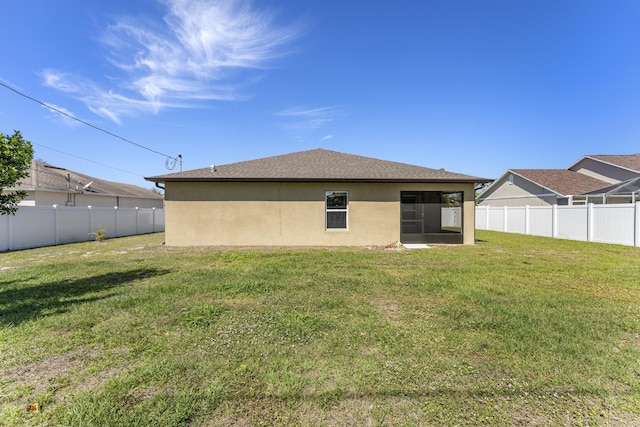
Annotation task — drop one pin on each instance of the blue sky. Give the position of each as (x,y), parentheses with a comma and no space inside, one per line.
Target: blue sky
(472,86)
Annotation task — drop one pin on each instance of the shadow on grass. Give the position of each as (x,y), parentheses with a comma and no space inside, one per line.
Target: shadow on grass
(21,304)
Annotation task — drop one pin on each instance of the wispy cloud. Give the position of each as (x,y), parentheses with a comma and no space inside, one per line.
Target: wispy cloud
(187,57)
(310,118)
(61,114)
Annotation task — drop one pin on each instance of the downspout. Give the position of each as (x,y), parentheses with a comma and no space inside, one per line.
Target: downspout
(159,186)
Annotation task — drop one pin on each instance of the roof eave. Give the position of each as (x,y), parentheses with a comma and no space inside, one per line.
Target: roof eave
(364,180)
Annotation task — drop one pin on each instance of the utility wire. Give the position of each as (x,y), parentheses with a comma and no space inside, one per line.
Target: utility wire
(168,157)
(87,160)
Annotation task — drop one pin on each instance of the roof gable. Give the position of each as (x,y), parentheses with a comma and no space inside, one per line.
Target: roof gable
(626,161)
(318,165)
(561,181)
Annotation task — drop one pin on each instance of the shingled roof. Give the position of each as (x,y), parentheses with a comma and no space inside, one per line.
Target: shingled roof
(318,165)
(561,181)
(629,161)
(43,176)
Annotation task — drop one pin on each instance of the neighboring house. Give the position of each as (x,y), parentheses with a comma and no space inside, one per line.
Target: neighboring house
(318,198)
(537,187)
(49,185)
(608,168)
(592,179)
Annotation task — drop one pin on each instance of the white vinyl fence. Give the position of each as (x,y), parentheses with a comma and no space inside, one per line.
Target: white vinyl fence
(451,217)
(36,226)
(619,224)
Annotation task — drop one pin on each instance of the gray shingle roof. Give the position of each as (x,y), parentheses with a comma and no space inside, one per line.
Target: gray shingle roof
(561,181)
(629,161)
(319,165)
(43,176)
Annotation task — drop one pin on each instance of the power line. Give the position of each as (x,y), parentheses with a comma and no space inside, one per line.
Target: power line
(168,157)
(88,160)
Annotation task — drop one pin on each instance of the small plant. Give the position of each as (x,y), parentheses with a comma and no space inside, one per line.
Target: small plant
(395,245)
(99,235)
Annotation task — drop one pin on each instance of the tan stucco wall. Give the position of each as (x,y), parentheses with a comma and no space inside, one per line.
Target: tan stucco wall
(284,214)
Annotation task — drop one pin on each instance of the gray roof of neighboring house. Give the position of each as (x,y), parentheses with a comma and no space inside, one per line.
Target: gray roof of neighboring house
(318,165)
(627,187)
(629,161)
(45,177)
(561,181)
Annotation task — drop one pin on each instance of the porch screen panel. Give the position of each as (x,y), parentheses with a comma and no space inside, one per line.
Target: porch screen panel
(431,216)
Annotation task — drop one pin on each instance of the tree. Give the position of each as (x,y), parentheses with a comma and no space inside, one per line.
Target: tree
(15,161)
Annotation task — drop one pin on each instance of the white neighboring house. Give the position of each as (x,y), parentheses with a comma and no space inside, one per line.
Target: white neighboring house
(49,185)
(592,179)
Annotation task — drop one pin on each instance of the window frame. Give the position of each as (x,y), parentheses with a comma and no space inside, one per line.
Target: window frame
(328,210)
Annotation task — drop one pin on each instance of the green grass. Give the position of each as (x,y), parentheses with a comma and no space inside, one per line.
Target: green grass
(515,330)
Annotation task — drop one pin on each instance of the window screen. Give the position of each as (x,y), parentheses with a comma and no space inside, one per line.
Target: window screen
(336,209)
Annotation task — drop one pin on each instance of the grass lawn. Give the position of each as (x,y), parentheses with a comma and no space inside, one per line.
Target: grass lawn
(516,330)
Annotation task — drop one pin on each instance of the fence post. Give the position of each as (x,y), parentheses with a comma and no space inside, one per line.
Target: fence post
(9,231)
(116,214)
(486,219)
(636,225)
(590,222)
(527,228)
(153,220)
(554,221)
(90,220)
(505,221)
(137,220)
(56,226)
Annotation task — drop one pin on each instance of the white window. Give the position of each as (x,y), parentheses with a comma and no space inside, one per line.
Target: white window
(337,203)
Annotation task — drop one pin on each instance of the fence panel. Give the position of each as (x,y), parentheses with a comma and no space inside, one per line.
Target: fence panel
(36,226)
(572,222)
(481,218)
(540,221)
(516,220)
(73,225)
(126,219)
(158,220)
(612,223)
(32,228)
(451,217)
(104,219)
(496,219)
(4,233)
(145,221)
(615,224)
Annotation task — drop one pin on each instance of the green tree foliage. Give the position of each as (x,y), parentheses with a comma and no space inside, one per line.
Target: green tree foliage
(15,159)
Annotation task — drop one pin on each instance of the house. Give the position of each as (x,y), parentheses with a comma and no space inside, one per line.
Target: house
(608,168)
(592,179)
(317,198)
(49,185)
